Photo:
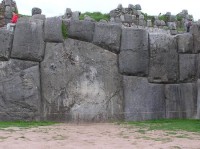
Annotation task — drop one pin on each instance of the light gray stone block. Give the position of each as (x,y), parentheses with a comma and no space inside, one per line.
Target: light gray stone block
(185,43)
(181,100)
(28,43)
(53,30)
(81,30)
(134,54)
(19,90)
(108,36)
(6,39)
(163,66)
(188,67)
(39,16)
(195,31)
(143,100)
(80,82)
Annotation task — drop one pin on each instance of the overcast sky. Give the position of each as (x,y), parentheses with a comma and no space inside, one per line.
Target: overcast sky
(152,7)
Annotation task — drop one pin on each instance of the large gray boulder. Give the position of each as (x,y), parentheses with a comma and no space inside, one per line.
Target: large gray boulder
(108,36)
(143,100)
(163,66)
(80,81)
(81,30)
(185,43)
(53,30)
(134,54)
(28,43)
(195,31)
(6,39)
(7,2)
(39,16)
(187,67)
(181,100)
(19,90)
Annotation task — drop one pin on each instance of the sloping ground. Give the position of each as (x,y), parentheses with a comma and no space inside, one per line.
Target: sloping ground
(95,136)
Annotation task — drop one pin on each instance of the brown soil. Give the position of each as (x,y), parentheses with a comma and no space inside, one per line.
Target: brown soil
(95,136)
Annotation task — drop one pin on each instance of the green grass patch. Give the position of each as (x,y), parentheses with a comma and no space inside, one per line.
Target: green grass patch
(96,16)
(169,125)
(25,124)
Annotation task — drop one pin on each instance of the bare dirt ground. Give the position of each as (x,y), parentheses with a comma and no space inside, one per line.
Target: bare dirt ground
(95,136)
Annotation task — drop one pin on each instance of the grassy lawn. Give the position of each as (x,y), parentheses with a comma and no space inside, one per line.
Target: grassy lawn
(25,124)
(169,125)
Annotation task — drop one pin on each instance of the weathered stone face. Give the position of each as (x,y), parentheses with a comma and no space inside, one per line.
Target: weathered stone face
(163,58)
(195,31)
(181,100)
(6,39)
(36,11)
(134,54)
(198,99)
(108,36)
(19,90)
(188,67)
(39,16)
(81,30)
(185,43)
(80,81)
(28,41)
(53,30)
(143,100)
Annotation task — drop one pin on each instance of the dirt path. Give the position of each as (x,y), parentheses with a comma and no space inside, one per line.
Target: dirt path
(95,136)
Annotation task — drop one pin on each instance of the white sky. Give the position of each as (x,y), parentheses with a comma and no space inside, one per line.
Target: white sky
(152,7)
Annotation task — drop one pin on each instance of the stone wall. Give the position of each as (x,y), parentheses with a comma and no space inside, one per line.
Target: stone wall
(102,72)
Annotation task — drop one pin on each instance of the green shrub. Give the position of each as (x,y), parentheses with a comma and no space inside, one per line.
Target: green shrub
(64,31)
(97,16)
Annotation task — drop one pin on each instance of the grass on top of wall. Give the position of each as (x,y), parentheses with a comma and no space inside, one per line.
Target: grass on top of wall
(97,16)
(169,125)
(25,124)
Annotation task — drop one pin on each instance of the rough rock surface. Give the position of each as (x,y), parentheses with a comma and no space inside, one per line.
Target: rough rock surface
(134,54)
(143,100)
(81,30)
(108,36)
(195,31)
(185,43)
(19,90)
(6,39)
(181,100)
(28,41)
(198,99)
(53,30)
(36,11)
(187,67)
(39,16)
(163,66)
(80,81)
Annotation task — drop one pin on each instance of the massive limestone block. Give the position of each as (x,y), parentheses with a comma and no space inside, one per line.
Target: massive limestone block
(143,100)
(80,81)
(163,66)
(39,16)
(28,43)
(187,67)
(53,30)
(19,90)
(181,100)
(6,39)
(134,54)
(185,43)
(108,36)
(81,30)
(195,31)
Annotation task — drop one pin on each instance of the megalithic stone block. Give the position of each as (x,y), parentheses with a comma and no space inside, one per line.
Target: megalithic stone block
(195,31)
(53,30)
(134,53)
(108,36)
(187,67)
(6,39)
(181,100)
(28,41)
(185,43)
(81,30)
(19,91)
(198,98)
(143,100)
(163,67)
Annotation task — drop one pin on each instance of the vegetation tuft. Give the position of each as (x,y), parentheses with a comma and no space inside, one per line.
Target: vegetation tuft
(97,16)
(169,124)
(25,124)
(64,31)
